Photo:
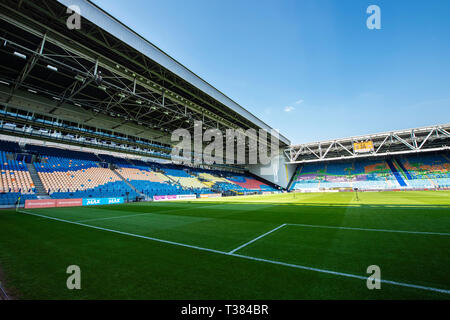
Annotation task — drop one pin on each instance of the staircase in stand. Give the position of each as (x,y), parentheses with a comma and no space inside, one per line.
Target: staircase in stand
(402,167)
(41,193)
(397,174)
(297,172)
(129,184)
(172,179)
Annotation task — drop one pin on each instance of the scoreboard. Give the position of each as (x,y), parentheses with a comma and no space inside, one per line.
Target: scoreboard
(364,146)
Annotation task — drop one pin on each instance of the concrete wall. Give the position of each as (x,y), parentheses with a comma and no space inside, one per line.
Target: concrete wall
(278,171)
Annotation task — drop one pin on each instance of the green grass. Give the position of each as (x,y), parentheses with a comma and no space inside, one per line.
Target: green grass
(35,251)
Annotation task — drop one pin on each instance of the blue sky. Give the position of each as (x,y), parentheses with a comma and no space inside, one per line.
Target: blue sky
(310,68)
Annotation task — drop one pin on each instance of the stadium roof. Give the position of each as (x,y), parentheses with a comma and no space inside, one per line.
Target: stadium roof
(107,22)
(104,75)
(423,139)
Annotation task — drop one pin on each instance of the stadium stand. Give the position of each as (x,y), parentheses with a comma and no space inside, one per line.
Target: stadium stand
(75,174)
(15,179)
(179,175)
(72,178)
(64,173)
(424,171)
(249,184)
(149,182)
(226,181)
(56,152)
(121,162)
(9,146)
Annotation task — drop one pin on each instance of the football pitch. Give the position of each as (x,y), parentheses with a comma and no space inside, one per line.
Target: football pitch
(287,246)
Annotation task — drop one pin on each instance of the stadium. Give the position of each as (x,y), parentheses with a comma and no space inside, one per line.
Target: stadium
(89,179)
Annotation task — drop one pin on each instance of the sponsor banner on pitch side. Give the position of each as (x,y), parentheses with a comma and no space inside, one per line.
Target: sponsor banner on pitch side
(164,198)
(211,195)
(186,196)
(45,203)
(69,202)
(101,201)
(175,197)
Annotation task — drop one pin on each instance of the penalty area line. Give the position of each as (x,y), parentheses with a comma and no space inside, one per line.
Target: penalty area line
(124,233)
(342,274)
(139,214)
(367,229)
(257,238)
(296,266)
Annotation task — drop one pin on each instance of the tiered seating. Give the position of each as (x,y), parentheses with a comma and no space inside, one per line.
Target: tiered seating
(249,184)
(10,146)
(121,162)
(75,174)
(309,176)
(157,189)
(51,164)
(149,182)
(374,174)
(176,172)
(224,181)
(227,186)
(73,178)
(412,171)
(10,198)
(189,182)
(139,163)
(15,176)
(363,174)
(212,178)
(426,170)
(110,189)
(15,180)
(142,173)
(56,152)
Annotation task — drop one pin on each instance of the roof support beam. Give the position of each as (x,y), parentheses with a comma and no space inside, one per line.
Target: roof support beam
(388,143)
(27,68)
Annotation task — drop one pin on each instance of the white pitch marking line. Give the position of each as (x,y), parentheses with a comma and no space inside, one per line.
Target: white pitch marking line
(139,214)
(257,238)
(364,229)
(342,274)
(348,275)
(124,233)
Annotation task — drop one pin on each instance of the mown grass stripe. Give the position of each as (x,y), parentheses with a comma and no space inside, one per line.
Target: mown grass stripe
(256,239)
(348,275)
(141,214)
(367,229)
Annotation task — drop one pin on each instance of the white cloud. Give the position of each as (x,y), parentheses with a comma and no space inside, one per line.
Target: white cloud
(268,111)
(291,108)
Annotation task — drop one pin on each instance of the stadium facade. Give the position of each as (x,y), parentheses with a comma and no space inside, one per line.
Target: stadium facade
(415,158)
(89,112)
